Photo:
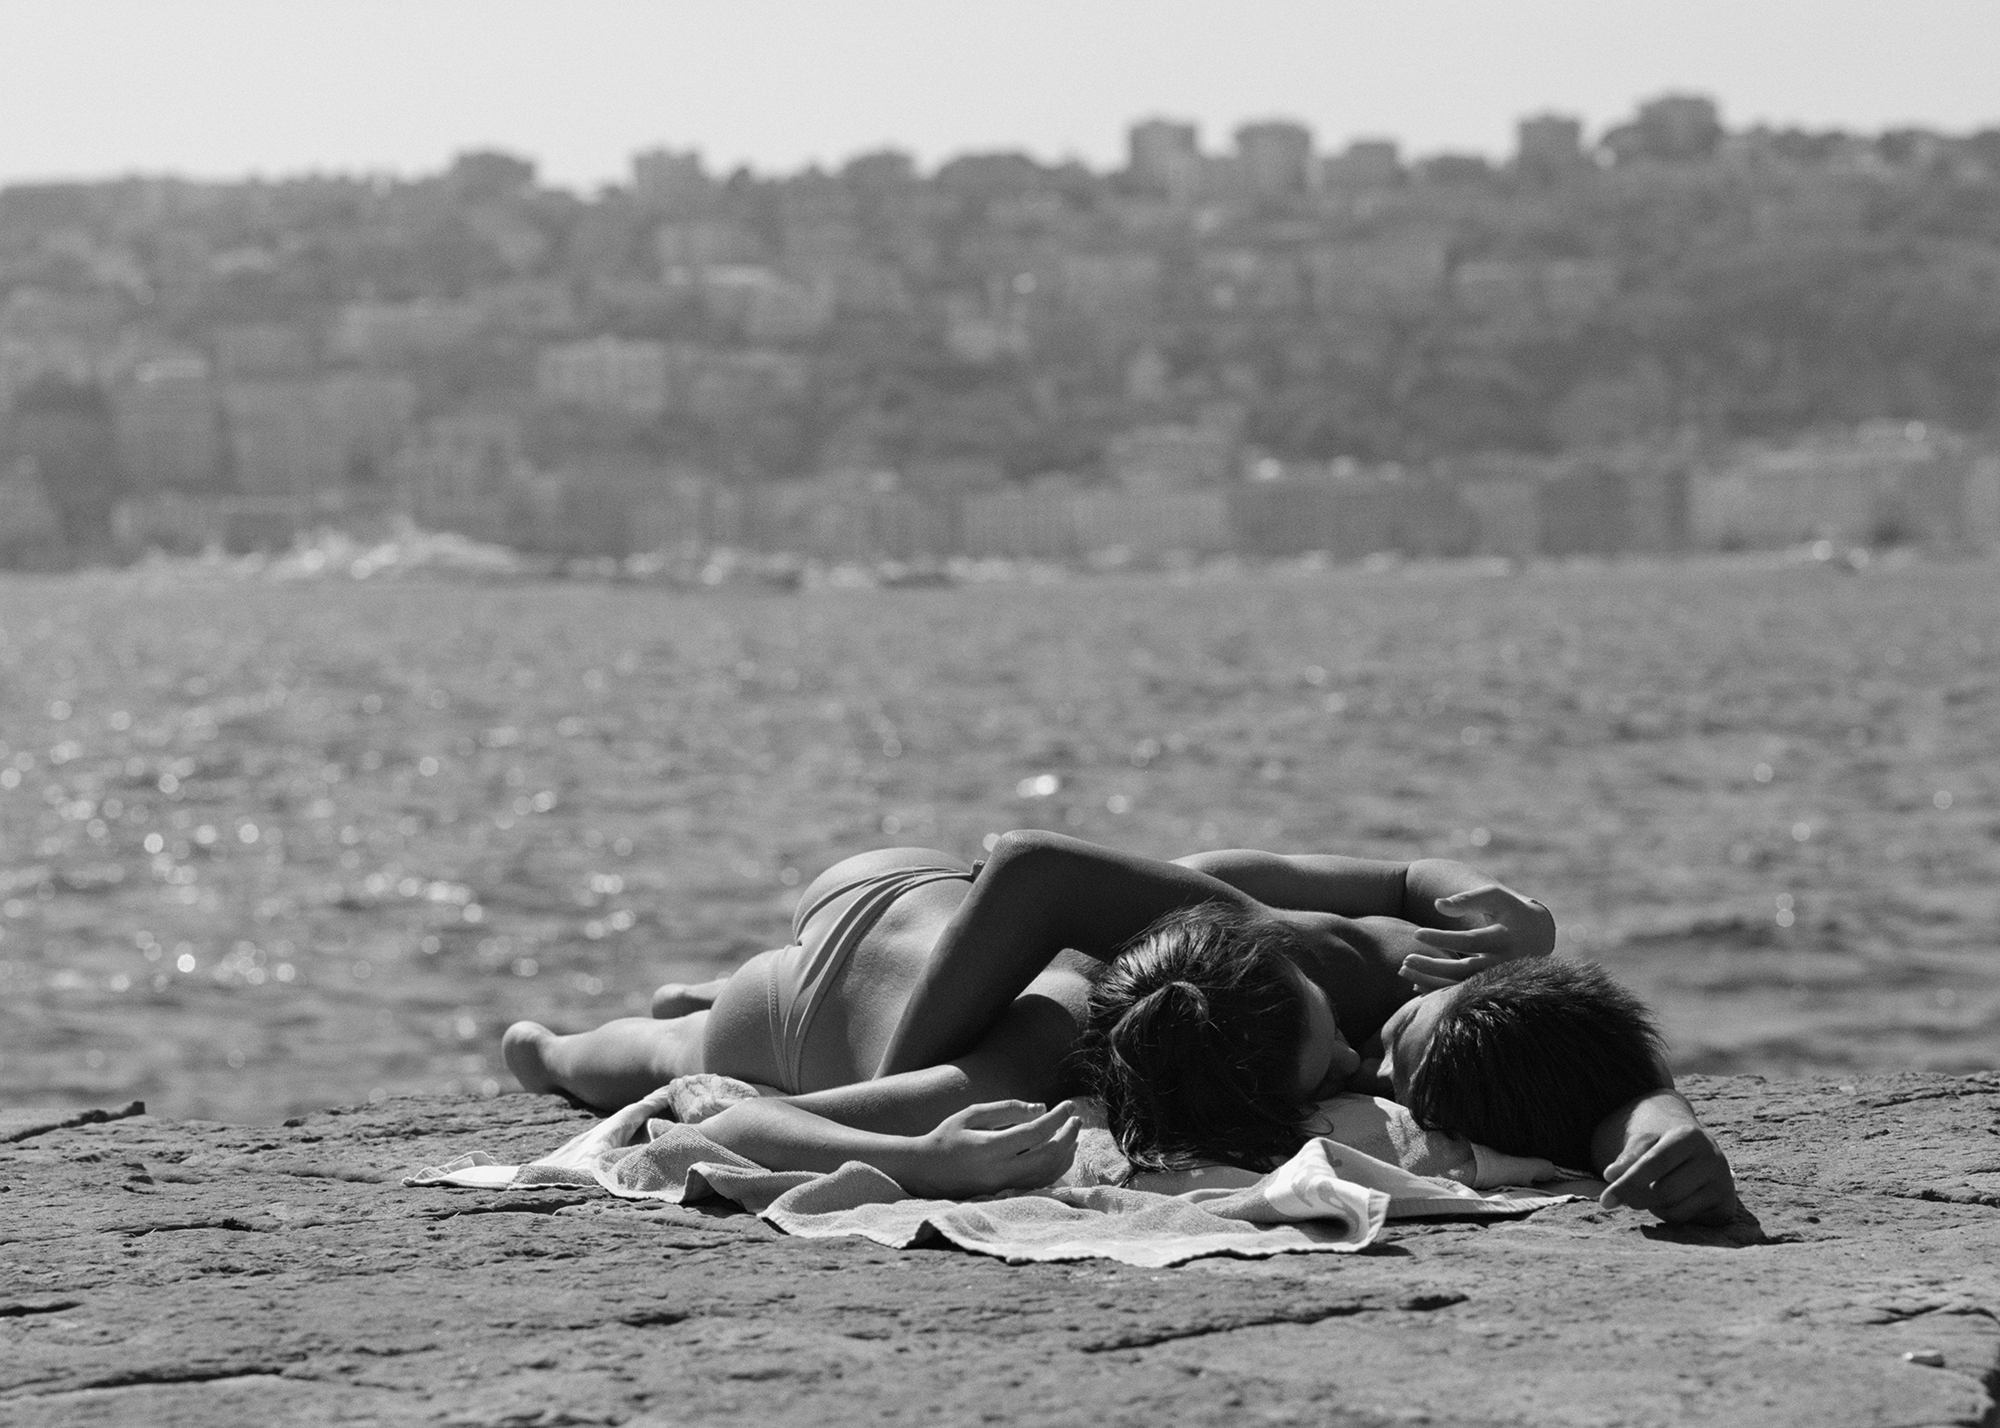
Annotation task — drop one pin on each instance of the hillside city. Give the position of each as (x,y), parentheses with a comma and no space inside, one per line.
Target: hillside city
(1669,335)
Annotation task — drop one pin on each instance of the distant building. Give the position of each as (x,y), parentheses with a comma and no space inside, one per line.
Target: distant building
(1549,147)
(482,174)
(606,241)
(1506,512)
(985,177)
(188,523)
(1574,288)
(312,439)
(850,516)
(1521,290)
(1401,270)
(853,282)
(1888,482)
(1612,404)
(1675,128)
(605,374)
(951,478)
(686,245)
(1366,164)
(529,307)
(974,332)
(1172,456)
(880,174)
(457,473)
(1153,523)
(46,333)
(65,434)
(671,181)
(813,197)
(821,236)
(388,334)
(1502,291)
(723,385)
(56,319)
(1982,503)
(762,304)
(1276,156)
(1166,153)
(1249,280)
(1148,376)
(167,416)
(1352,515)
(509,235)
(31,529)
(260,349)
(370,414)
(1118,286)
(1019,524)
(281,442)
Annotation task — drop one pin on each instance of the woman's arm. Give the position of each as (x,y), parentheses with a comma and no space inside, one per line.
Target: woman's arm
(1003,1145)
(1038,894)
(915,1125)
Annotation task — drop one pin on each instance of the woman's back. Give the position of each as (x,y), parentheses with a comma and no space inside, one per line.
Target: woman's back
(819,1012)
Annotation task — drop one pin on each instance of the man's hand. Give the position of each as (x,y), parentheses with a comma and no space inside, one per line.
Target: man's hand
(1668,1164)
(1504,926)
(998,1145)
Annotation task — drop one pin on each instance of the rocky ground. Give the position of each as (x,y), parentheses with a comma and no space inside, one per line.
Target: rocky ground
(156,1271)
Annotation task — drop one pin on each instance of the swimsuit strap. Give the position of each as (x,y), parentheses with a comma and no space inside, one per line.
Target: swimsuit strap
(792,1025)
(806,913)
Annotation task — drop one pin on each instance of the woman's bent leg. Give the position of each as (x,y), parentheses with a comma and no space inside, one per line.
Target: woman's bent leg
(612,1066)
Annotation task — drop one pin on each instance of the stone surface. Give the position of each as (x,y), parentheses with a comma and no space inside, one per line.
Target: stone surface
(157,1271)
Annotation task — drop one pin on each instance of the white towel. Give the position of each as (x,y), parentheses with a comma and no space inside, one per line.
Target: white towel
(1327,1198)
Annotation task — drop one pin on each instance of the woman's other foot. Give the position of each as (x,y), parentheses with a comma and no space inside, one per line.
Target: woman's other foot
(525,1048)
(683,998)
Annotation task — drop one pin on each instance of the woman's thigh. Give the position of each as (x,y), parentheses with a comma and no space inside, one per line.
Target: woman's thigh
(737,1040)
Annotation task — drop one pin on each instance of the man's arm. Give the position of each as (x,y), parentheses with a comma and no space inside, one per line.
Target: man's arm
(1657,1156)
(1350,887)
(1469,921)
(1038,894)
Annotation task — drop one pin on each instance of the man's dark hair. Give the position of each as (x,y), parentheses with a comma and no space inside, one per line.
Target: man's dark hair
(1529,1056)
(1192,1040)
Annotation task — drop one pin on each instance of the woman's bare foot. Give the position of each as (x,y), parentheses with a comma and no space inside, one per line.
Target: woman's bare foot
(608,1066)
(684,998)
(525,1048)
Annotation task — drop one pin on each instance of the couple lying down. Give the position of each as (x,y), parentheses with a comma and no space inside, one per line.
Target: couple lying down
(927,1011)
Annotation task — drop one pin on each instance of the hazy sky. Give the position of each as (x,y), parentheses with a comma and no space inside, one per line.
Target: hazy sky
(219,88)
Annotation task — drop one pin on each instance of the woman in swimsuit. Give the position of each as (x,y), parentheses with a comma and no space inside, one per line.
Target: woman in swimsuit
(924,1014)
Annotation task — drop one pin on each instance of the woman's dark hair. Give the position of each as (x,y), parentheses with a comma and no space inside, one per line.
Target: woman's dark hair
(1529,1056)
(1192,1041)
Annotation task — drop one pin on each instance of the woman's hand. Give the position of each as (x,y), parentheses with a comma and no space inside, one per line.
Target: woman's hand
(999,1145)
(1505,926)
